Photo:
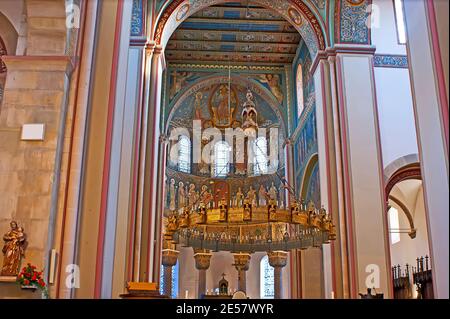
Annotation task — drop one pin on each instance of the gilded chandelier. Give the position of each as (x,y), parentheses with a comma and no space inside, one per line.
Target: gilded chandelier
(225,228)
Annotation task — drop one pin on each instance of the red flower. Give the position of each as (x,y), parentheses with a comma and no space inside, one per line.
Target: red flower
(34,277)
(26,282)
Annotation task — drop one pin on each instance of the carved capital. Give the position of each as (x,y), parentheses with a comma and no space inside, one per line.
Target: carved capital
(241,261)
(202,260)
(277,258)
(169,257)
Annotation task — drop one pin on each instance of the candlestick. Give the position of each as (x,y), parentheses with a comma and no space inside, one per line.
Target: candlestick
(186,294)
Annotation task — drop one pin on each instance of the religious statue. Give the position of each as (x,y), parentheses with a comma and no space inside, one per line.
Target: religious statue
(172,224)
(251,196)
(202,214)
(172,195)
(181,195)
(239,197)
(184,218)
(223,210)
(262,195)
(273,81)
(272,192)
(282,201)
(272,210)
(247,210)
(13,250)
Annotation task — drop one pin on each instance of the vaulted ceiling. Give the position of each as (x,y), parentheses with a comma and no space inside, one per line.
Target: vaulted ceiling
(234,32)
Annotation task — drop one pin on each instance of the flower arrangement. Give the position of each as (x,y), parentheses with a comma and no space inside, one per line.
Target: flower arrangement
(29,277)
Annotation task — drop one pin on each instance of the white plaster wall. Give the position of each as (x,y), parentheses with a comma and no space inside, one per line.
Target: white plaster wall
(395,113)
(408,249)
(384,28)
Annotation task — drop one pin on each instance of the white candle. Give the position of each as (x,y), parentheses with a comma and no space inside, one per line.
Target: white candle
(332,295)
(186,294)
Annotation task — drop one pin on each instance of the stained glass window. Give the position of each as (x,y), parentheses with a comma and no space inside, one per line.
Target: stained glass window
(267,285)
(221,159)
(400,19)
(394,225)
(175,270)
(184,154)
(260,151)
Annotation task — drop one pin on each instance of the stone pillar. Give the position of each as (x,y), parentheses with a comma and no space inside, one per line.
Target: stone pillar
(169,259)
(278,259)
(202,262)
(362,170)
(330,161)
(148,244)
(35,92)
(428,63)
(242,264)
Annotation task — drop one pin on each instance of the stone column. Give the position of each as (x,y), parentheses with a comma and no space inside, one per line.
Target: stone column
(368,239)
(242,264)
(202,262)
(169,259)
(330,161)
(148,244)
(35,92)
(428,64)
(278,259)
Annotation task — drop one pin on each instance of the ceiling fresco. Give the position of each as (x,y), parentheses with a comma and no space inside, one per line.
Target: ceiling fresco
(234,32)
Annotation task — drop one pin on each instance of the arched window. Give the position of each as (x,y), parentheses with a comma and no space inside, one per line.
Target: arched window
(300,102)
(400,20)
(260,153)
(394,225)
(267,285)
(221,166)
(175,271)
(184,154)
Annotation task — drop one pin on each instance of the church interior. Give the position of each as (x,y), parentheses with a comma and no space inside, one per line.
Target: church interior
(224,149)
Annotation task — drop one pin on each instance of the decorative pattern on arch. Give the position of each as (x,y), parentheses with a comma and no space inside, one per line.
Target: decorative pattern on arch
(351,21)
(295,11)
(411,171)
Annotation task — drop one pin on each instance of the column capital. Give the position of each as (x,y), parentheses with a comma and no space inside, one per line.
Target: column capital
(277,258)
(242,261)
(169,257)
(340,48)
(61,63)
(202,260)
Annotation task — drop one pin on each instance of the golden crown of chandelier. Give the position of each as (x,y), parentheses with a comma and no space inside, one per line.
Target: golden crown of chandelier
(225,228)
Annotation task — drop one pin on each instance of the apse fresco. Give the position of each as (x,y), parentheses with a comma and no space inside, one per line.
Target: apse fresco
(305,146)
(313,187)
(211,105)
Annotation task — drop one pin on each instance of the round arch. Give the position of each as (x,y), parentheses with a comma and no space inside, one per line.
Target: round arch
(306,22)
(219,79)
(312,162)
(410,171)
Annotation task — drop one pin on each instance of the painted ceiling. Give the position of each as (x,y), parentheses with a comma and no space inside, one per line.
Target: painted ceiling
(234,32)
